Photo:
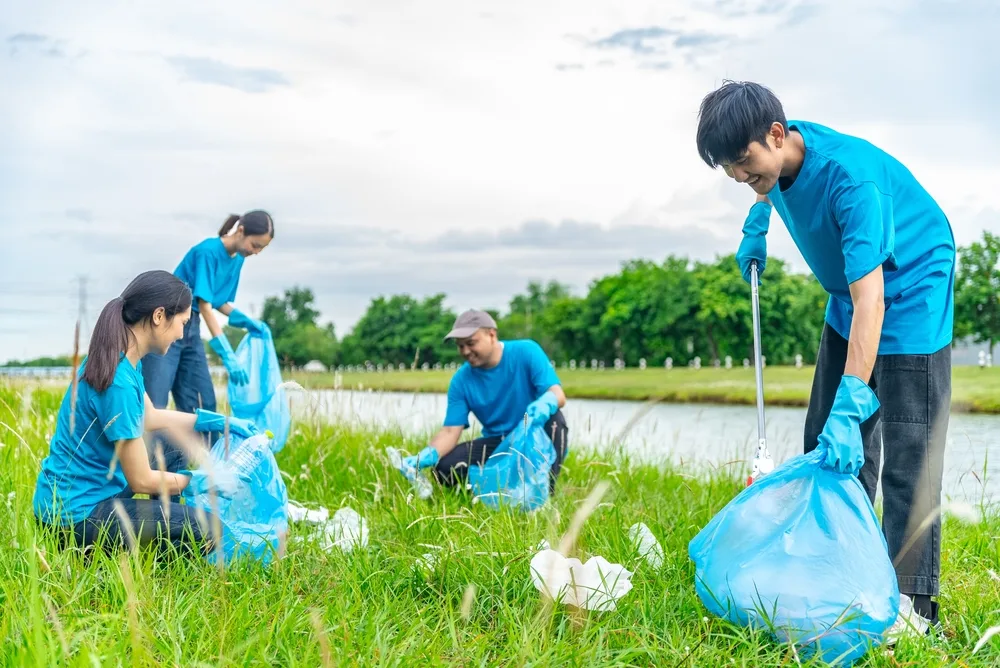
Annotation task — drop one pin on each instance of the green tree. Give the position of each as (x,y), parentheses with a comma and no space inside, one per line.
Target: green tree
(977,287)
(298,337)
(401,330)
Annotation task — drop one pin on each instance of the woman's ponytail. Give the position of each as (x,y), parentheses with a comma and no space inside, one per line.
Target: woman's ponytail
(148,292)
(228,225)
(108,341)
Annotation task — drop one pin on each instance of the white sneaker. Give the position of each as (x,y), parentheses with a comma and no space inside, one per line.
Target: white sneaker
(908,623)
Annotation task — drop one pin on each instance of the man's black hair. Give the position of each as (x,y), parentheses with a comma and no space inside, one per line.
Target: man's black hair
(733,117)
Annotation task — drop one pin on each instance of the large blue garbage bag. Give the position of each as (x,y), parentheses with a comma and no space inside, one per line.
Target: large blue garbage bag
(255,517)
(261,400)
(800,553)
(517,473)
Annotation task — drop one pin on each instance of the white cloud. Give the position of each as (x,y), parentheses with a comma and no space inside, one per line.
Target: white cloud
(382,134)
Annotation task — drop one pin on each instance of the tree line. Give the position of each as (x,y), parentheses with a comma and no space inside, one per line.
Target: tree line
(677,308)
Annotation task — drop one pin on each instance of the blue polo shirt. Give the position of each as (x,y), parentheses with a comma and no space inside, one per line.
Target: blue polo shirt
(498,397)
(74,477)
(211,273)
(854,207)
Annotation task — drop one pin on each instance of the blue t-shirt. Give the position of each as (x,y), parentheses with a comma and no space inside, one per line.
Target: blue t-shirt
(854,207)
(74,476)
(499,396)
(210,272)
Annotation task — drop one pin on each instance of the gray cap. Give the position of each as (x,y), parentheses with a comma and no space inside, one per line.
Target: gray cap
(469,322)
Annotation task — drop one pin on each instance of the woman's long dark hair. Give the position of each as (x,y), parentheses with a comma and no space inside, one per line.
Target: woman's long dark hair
(146,293)
(253,223)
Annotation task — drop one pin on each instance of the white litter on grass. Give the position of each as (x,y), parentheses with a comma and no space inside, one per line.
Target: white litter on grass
(299,513)
(645,542)
(543,544)
(595,585)
(427,562)
(346,531)
(964,512)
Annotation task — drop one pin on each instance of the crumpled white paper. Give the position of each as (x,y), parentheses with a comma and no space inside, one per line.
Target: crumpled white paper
(346,531)
(299,513)
(594,585)
(646,544)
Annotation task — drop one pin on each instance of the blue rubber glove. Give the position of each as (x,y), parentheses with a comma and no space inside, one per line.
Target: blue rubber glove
(841,437)
(212,421)
(223,481)
(238,318)
(237,375)
(754,244)
(541,409)
(425,458)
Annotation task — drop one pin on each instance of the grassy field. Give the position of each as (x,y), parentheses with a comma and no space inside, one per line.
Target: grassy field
(973,389)
(372,606)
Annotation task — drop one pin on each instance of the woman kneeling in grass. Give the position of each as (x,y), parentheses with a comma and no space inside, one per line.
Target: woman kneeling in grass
(98,460)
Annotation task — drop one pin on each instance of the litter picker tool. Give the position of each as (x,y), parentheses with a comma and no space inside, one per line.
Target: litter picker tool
(762,462)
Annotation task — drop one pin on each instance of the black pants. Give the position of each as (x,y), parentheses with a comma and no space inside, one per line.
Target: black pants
(149,526)
(914,393)
(453,467)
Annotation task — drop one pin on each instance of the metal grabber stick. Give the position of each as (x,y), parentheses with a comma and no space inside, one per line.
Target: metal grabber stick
(762,462)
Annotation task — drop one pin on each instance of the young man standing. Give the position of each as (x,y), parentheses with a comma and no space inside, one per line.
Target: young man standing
(883,249)
(500,382)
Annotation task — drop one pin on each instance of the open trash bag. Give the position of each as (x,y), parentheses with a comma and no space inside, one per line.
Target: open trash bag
(800,553)
(261,399)
(256,516)
(517,473)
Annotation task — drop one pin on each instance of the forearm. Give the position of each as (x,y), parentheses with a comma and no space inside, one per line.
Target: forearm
(446,439)
(159,482)
(161,418)
(866,325)
(208,315)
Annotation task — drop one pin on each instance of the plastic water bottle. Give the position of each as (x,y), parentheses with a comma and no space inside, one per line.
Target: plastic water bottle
(646,544)
(421,485)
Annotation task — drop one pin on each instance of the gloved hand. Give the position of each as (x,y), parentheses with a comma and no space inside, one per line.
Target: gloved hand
(223,481)
(238,318)
(212,421)
(754,244)
(237,375)
(841,436)
(423,459)
(541,409)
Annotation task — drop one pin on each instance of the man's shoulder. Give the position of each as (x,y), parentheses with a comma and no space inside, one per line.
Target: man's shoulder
(849,159)
(526,347)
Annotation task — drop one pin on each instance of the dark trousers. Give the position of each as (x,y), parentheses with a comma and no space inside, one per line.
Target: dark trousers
(182,372)
(909,431)
(453,467)
(150,525)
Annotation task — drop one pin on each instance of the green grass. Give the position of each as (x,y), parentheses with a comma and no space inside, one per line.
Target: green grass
(372,607)
(974,390)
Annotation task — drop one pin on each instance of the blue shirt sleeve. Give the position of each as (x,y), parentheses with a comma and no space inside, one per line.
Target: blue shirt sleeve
(543,376)
(120,410)
(864,215)
(457,414)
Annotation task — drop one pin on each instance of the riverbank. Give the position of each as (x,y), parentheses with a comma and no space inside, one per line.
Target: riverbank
(974,390)
(378,606)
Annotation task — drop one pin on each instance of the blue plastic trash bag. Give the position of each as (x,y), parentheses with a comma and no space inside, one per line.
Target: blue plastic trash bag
(255,517)
(261,400)
(800,553)
(517,473)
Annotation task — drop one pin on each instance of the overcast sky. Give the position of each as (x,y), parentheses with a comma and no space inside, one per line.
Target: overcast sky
(441,146)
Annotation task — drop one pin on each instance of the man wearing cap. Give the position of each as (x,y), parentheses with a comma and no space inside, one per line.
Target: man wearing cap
(500,383)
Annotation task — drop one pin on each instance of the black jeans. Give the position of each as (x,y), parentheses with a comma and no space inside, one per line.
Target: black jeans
(914,393)
(182,372)
(453,467)
(150,525)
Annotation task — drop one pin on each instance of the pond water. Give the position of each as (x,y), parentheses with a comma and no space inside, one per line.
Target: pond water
(690,435)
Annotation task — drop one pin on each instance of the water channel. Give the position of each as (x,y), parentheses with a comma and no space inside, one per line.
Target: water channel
(693,436)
